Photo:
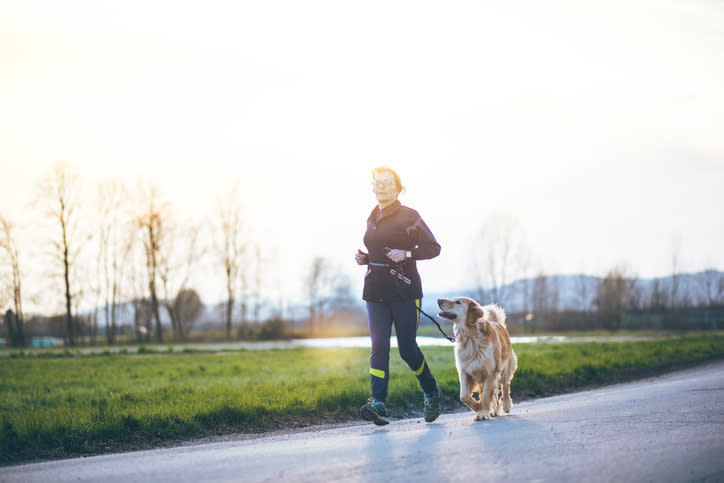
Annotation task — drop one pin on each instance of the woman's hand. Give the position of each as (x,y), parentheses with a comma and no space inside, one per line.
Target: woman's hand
(396,255)
(361,257)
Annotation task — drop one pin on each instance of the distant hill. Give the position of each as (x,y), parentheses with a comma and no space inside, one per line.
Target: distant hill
(578,292)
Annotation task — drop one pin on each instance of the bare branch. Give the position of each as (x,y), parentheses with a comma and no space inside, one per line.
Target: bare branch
(59,192)
(230,245)
(151,219)
(500,255)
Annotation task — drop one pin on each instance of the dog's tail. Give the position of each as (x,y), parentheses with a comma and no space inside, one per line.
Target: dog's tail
(495,313)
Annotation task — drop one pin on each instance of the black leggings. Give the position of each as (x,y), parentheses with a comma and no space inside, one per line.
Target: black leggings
(405,316)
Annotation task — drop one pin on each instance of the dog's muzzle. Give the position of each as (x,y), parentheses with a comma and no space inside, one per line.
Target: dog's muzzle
(444,314)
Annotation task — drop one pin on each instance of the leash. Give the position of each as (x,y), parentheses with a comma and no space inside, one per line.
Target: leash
(451,339)
(398,273)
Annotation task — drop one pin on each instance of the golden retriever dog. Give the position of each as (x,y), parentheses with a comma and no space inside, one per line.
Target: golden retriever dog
(483,354)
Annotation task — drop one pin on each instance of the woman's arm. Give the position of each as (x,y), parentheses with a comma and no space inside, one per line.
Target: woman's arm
(425,245)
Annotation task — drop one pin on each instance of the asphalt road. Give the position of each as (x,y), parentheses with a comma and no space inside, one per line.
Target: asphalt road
(669,428)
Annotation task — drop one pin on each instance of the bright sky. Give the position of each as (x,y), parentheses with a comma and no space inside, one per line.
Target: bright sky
(597,125)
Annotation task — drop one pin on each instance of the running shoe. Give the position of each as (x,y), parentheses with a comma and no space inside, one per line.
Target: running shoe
(433,407)
(375,411)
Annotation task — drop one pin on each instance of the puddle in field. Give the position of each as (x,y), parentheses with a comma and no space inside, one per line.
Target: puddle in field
(329,343)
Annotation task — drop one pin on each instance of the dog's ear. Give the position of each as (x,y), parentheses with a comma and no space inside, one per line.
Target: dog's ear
(474,313)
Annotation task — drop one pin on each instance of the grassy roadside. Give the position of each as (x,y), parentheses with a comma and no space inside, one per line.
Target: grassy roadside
(53,407)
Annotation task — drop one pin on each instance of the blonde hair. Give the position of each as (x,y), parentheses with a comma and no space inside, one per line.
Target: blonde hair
(395,176)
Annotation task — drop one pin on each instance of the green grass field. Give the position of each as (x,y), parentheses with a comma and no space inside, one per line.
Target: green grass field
(69,405)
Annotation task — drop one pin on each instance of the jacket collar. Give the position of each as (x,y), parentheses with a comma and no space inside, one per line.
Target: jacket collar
(389,210)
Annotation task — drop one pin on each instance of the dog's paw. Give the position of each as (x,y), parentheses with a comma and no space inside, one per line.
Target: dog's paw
(481,417)
(507,406)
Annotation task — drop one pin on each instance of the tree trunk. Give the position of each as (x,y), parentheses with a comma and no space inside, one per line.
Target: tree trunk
(114,309)
(94,325)
(175,321)
(17,299)
(156,312)
(107,312)
(229,308)
(11,326)
(68,307)
(153,247)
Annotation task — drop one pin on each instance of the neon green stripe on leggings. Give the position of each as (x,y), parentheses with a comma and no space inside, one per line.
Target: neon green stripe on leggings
(417,305)
(377,372)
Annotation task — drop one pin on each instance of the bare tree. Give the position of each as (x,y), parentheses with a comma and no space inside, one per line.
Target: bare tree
(230,245)
(611,299)
(541,297)
(250,285)
(341,296)
(178,255)
(257,286)
(525,288)
(520,290)
(9,246)
(635,297)
(675,272)
(327,289)
(244,277)
(657,296)
(324,284)
(554,292)
(711,288)
(115,242)
(138,285)
(315,285)
(152,221)
(499,256)
(188,307)
(59,193)
(583,293)
(281,305)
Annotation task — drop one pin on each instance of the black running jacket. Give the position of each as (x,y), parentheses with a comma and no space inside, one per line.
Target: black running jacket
(401,228)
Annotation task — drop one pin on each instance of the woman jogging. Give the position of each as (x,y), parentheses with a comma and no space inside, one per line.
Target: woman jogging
(396,238)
